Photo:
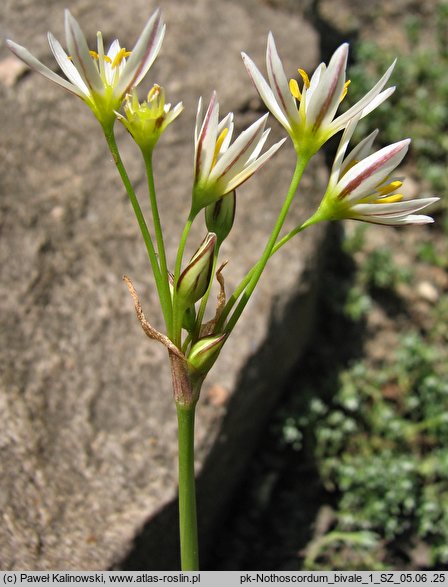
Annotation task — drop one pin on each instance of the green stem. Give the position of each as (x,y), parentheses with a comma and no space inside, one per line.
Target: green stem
(187,491)
(165,287)
(301,164)
(246,279)
(112,143)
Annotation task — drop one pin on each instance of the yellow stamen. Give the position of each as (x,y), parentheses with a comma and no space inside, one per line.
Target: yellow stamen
(94,54)
(218,145)
(389,199)
(390,187)
(294,89)
(303,74)
(345,90)
(122,53)
(153,92)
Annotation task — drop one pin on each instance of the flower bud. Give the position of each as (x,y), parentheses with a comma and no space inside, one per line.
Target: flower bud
(194,279)
(220,215)
(147,120)
(189,316)
(205,352)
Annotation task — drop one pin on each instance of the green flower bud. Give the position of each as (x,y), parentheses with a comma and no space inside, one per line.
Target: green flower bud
(193,281)
(147,120)
(220,215)
(205,352)
(189,316)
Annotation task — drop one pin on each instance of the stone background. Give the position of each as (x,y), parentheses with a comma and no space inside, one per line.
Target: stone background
(87,424)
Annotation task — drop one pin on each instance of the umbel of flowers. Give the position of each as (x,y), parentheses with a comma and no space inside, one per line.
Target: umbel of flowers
(362,186)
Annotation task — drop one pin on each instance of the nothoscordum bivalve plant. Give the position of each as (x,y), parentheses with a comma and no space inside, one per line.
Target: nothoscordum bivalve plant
(361,187)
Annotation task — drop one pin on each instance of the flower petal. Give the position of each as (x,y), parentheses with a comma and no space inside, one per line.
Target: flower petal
(364,103)
(394,210)
(361,151)
(143,55)
(235,158)
(198,124)
(363,177)
(66,65)
(205,148)
(336,170)
(265,91)
(327,95)
(279,82)
(35,64)
(377,101)
(79,51)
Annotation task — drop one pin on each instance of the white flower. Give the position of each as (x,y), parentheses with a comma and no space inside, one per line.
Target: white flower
(309,114)
(361,186)
(100,79)
(220,167)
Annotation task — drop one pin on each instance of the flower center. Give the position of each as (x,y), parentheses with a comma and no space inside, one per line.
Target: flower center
(295,90)
(384,191)
(294,86)
(122,54)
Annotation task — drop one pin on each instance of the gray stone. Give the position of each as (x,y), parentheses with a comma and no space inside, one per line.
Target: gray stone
(87,424)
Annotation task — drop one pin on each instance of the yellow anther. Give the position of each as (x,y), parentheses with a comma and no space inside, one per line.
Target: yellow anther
(122,53)
(345,90)
(303,74)
(218,145)
(294,89)
(94,54)
(389,199)
(390,187)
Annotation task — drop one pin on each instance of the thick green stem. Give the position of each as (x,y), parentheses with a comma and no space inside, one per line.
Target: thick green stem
(187,491)
(165,287)
(250,282)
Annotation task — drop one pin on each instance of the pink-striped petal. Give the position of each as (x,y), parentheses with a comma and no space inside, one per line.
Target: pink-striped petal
(327,95)
(143,55)
(360,152)
(362,178)
(236,157)
(205,148)
(279,83)
(79,52)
